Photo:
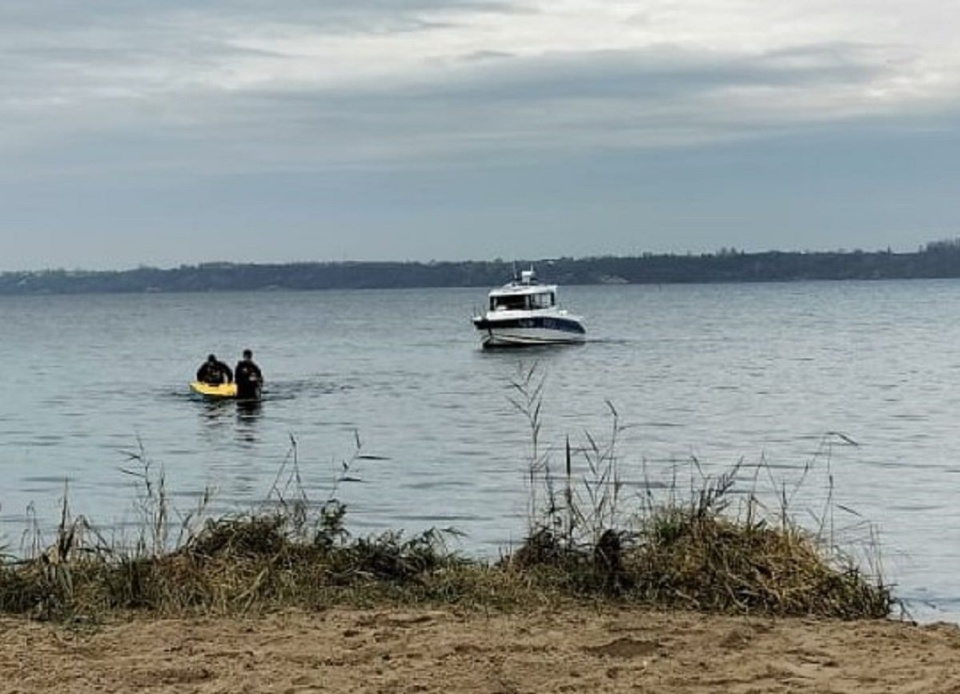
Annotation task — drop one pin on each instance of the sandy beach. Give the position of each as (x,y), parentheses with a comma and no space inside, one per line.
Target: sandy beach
(390,651)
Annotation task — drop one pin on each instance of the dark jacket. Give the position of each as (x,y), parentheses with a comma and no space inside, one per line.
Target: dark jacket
(249,379)
(214,372)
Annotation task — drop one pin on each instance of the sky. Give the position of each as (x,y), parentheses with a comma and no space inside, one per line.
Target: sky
(138,132)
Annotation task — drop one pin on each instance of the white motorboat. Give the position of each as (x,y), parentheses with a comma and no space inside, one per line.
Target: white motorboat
(525,312)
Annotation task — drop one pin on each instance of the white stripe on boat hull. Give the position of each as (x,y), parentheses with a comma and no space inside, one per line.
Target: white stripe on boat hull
(510,337)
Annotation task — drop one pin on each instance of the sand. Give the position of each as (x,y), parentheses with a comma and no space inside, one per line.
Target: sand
(390,651)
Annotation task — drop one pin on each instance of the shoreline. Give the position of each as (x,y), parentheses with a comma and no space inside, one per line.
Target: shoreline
(572,649)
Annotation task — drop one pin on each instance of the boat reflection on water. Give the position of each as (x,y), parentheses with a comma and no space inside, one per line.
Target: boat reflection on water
(218,412)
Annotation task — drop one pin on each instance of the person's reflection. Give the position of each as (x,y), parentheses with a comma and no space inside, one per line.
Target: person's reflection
(215,412)
(214,421)
(248,415)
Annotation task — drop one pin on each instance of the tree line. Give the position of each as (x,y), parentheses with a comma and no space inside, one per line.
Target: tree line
(939,259)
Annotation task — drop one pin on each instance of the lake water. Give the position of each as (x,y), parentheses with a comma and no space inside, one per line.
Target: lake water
(782,377)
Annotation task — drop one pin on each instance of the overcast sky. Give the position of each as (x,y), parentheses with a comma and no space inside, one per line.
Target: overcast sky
(166,133)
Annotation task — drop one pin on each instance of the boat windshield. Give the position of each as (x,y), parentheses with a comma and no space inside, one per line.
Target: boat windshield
(508,303)
(522,302)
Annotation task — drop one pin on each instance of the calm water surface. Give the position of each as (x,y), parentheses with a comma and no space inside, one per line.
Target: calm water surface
(782,377)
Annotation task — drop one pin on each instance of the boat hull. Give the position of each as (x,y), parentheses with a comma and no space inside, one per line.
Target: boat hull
(214,392)
(530,331)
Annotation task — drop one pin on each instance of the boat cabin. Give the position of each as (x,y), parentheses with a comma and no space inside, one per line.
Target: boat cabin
(523,302)
(524,294)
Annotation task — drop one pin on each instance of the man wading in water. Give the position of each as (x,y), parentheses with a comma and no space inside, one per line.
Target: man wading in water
(248,377)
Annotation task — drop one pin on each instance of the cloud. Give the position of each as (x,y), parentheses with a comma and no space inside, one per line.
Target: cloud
(243,85)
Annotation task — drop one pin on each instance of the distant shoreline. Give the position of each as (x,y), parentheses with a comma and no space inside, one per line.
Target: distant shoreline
(936,260)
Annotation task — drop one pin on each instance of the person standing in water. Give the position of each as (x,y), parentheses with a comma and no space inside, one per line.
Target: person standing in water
(249,378)
(214,372)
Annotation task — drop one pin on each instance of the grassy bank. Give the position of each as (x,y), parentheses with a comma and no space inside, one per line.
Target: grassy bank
(590,538)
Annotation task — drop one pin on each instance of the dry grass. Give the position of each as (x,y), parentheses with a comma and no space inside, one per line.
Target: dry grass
(715,548)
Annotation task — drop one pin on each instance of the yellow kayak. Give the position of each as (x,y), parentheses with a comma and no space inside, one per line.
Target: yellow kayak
(222,390)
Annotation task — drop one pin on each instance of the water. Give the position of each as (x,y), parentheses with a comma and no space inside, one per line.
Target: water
(780,376)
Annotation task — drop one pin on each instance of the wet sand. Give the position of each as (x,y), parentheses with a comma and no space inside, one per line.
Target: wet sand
(401,651)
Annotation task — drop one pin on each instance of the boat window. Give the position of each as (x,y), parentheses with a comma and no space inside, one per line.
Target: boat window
(508,303)
(544,300)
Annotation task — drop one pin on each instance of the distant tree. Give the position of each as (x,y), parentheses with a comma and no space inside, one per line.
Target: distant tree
(943,246)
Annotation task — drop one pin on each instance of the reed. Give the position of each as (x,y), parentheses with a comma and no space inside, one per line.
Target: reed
(714,547)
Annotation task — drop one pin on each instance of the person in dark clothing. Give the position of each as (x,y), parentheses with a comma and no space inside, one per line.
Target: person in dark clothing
(249,377)
(214,372)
